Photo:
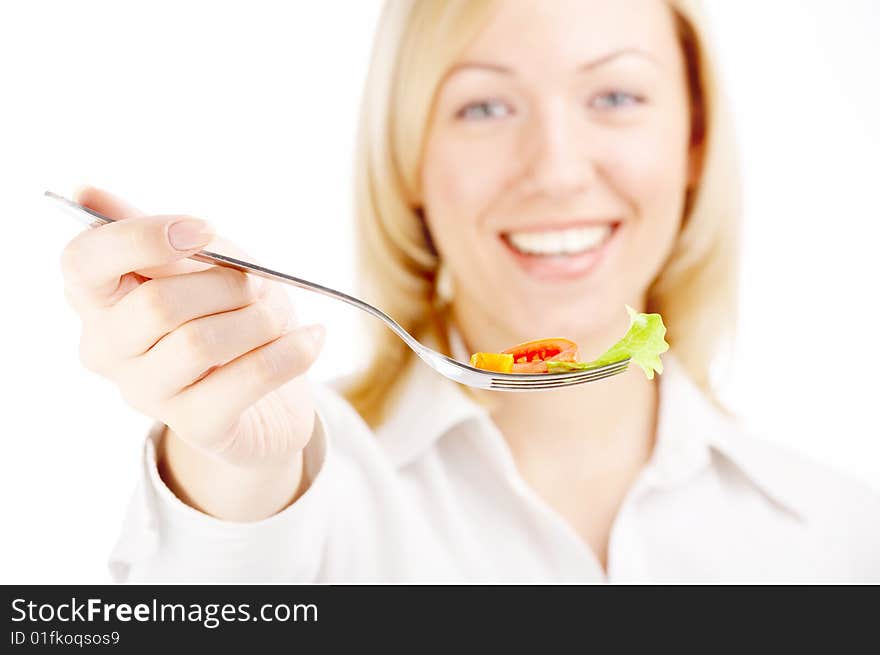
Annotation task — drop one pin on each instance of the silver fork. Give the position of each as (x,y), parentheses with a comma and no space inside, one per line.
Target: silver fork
(446,366)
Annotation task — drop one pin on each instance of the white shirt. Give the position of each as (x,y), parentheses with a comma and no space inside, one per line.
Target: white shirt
(434,495)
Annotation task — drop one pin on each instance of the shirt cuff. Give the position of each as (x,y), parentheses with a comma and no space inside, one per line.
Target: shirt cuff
(163,539)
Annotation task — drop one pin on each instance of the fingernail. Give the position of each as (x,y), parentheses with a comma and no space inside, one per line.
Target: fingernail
(315,334)
(189,233)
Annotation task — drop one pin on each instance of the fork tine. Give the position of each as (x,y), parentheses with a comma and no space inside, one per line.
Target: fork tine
(558,385)
(571,382)
(550,383)
(539,379)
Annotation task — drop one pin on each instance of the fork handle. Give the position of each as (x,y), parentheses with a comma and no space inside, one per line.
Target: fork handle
(91,218)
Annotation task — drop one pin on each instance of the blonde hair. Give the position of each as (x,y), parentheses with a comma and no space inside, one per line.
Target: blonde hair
(416,42)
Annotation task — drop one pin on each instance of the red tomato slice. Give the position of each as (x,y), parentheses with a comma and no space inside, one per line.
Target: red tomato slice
(541,350)
(530,367)
(570,355)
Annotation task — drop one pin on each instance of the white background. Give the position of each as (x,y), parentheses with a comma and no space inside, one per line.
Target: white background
(244,114)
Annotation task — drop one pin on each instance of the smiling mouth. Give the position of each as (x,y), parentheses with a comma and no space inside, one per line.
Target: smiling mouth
(567,242)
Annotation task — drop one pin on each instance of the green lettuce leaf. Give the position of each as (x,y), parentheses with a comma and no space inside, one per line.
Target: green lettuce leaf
(643,344)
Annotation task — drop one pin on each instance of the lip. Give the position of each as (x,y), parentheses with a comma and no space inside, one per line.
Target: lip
(553,226)
(557,268)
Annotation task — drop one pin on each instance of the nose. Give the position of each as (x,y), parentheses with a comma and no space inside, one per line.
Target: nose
(557,155)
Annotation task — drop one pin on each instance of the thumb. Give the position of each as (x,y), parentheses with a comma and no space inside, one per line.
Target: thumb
(114,207)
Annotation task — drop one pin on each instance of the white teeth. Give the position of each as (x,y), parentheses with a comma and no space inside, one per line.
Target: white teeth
(560,242)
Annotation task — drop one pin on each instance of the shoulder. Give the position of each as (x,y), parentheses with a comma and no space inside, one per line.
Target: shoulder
(836,508)
(811,485)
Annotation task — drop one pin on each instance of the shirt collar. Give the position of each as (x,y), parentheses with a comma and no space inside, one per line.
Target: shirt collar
(689,426)
(691,429)
(428,407)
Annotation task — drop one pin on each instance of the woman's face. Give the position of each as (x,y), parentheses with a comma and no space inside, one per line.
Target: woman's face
(556,165)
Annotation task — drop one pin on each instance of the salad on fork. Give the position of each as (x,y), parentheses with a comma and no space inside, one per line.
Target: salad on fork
(643,343)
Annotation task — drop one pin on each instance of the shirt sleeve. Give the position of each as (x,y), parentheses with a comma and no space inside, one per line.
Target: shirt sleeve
(164,540)
(361,520)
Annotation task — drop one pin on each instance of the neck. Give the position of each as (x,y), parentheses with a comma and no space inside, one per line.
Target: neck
(599,424)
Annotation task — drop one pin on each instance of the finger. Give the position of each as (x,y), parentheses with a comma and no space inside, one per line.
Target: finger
(94,262)
(221,397)
(85,305)
(162,305)
(183,356)
(116,208)
(182,266)
(106,203)
(113,207)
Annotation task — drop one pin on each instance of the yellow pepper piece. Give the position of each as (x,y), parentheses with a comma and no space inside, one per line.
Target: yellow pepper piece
(499,362)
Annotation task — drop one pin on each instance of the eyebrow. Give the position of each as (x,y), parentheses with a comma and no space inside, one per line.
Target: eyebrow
(604,59)
(588,66)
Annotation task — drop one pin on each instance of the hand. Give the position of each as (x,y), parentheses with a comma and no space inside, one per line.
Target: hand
(213,353)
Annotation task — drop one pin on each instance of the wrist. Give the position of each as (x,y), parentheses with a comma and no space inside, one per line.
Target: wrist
(224,490)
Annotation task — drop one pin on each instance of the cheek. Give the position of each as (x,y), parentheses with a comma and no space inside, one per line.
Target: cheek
(460,181)
(650,171)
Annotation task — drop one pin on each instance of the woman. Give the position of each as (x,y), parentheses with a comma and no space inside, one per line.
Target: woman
(525,169)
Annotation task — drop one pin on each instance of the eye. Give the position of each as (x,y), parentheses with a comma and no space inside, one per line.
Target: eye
(484,110)
(615,99)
